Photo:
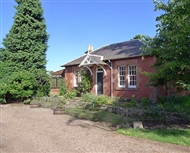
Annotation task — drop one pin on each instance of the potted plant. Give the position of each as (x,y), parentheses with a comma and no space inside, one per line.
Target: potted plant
(59,109)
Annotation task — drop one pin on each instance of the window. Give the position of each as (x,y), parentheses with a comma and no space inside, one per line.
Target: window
(121,77)
(76,78)
(132,77)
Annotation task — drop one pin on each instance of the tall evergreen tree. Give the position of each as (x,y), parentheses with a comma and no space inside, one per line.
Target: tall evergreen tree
(171,45)
(26,43)
(25,46)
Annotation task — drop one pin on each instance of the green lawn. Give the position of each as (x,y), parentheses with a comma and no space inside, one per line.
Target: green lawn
(174,136)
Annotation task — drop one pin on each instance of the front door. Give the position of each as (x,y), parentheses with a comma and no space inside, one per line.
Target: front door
(99,82)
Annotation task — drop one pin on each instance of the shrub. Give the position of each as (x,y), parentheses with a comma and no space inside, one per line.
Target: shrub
(145,103)
(86,83)
(27,101)
(42,81)
(61,102)
(132,102)
(96,101)
(71,94)
(19,85)
(63,88)
(175,104)
(88,97)
(22,84)
(103,100)
(2,100)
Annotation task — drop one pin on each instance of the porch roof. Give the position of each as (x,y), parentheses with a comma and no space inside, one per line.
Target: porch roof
(92,59)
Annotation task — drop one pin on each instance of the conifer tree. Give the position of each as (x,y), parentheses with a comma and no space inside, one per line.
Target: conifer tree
(25,47)
(26,43)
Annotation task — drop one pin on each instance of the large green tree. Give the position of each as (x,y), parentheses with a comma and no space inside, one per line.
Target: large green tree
(171,45)
(25,48)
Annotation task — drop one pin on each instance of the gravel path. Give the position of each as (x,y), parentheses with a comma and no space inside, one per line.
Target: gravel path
(37,130)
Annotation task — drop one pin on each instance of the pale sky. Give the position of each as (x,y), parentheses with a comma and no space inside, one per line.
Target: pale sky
(73,24)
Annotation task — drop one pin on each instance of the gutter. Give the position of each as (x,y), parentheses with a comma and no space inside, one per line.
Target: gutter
(111,80)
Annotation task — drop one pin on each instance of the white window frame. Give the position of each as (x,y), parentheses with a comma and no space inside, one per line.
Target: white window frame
(132,76)
(121,73)
(76,78)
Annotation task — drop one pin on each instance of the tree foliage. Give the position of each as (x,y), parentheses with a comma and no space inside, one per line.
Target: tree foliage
(171,45)
(86,83)
(138,36)
(23,56)
(19,85)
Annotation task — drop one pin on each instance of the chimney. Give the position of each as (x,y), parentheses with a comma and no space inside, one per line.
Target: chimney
(90,48)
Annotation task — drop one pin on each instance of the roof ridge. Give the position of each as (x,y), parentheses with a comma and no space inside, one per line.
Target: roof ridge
(114,44)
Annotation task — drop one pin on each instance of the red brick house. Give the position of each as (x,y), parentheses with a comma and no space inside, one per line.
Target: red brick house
(115,70)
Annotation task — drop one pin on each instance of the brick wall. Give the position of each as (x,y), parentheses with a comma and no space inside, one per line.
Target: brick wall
(69,76)
(141,91)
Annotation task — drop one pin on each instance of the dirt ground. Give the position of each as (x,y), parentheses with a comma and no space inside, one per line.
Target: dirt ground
(37,130)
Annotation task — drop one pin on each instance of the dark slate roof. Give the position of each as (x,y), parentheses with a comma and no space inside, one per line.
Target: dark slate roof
(98,60)
(114,51)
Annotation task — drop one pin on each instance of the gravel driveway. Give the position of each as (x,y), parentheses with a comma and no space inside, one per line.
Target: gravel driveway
(33,130)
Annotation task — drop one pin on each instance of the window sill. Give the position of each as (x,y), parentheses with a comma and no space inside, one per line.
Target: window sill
(121,89)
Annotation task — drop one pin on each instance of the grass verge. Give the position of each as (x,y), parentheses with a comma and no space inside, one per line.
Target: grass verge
(174,136)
